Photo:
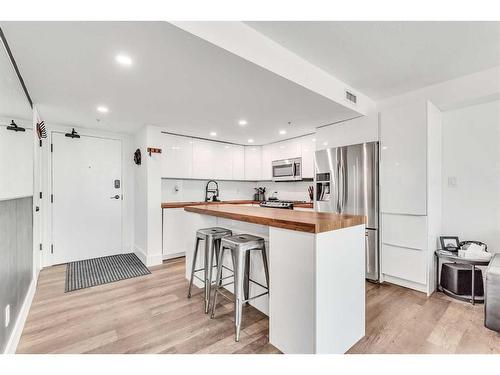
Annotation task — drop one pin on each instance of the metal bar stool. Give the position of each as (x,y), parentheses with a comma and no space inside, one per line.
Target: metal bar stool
(212,238)
(240,247)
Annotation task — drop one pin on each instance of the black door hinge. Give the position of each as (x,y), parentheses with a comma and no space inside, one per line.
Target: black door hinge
(40,247)
(51,198)
(40,143)
(40,195)
(51,147)
(52,249)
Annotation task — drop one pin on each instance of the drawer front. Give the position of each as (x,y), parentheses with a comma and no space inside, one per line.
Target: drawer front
(404,263)
(405,231)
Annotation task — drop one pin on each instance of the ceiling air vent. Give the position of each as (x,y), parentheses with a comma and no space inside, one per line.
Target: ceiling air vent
(350,96)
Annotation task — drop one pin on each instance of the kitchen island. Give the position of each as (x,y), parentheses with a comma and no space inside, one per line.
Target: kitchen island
(316,302)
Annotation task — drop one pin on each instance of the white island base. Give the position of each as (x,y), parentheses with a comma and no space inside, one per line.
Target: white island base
(316,302)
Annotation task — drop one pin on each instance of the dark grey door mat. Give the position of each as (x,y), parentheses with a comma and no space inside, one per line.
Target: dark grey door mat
(98,271)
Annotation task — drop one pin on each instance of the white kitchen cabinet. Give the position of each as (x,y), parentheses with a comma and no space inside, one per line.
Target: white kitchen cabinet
(176,156)
(203,159)
(268,153)
(253,163)
(287,149)
(238,159)
(222,161)
(350,132)
(403,160)
(410,194)
(308,146)
(175,232)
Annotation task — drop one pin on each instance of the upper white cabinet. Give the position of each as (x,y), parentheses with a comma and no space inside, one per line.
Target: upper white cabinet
(268,155)
(287,149)
(185,157)
(351,132)
(253,163)
(204,154)
(403,160)
(177,156)
(238,159)
(308,146)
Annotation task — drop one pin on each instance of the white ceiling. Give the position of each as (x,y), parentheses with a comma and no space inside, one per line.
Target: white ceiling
(13,102)
(177,81)
(383,59)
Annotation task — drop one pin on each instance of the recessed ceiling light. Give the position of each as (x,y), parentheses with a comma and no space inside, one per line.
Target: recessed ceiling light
(314,139)
(242,122)
(102,109)
(250,140)
(123,60)
(213,134)
(283,132)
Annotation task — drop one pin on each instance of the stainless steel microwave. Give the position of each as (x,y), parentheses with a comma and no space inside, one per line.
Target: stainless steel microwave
(287,170)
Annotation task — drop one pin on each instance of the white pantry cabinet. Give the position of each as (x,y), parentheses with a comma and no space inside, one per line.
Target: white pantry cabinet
(403,159)
(410,194)
(177,156)
(253,163)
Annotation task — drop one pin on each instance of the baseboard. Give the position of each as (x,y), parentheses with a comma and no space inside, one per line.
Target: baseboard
(148,260)
(140,254)
(405,283)
(21,319)
(173,256)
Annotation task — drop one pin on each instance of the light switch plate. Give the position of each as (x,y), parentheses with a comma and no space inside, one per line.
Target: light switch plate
(452,182)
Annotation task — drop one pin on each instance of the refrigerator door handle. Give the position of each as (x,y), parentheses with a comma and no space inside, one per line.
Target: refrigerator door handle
(339,184)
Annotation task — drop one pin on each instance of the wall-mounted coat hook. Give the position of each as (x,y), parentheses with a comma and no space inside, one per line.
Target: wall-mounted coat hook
(153,150)
(73,134)
(13,126)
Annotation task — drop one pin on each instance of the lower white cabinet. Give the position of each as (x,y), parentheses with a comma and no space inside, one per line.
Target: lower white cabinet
(404,251)
(174,232)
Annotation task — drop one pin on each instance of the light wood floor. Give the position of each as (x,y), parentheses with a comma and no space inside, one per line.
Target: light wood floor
(151,314)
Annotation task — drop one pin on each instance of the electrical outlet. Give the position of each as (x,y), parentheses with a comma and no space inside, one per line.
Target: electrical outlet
(7,316)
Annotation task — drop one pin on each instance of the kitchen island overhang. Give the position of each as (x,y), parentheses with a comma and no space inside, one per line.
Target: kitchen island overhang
(317,273)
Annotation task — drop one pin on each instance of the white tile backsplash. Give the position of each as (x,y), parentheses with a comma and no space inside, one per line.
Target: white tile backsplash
(174,190)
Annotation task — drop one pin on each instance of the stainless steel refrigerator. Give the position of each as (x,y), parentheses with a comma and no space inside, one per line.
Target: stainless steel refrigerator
(346,181)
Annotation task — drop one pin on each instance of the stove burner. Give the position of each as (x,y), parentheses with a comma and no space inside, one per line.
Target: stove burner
(277,204)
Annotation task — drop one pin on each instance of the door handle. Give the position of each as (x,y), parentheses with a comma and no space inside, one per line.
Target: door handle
(115,197)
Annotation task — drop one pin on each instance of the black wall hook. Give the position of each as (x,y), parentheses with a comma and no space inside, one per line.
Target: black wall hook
(73,134)
(13,126)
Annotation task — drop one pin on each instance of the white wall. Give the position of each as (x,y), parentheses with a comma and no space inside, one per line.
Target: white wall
(147,202)
(471,158)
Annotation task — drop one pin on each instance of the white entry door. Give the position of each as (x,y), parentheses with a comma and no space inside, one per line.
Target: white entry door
(87,198)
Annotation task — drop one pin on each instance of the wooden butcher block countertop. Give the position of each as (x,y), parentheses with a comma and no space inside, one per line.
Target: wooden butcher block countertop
(186,204)
(304,221)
